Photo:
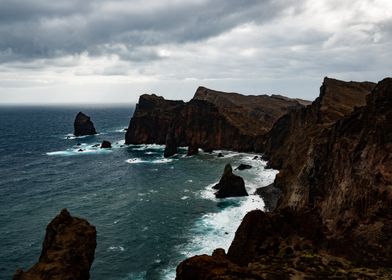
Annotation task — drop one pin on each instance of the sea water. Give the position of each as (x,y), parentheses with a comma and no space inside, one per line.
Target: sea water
(150,212)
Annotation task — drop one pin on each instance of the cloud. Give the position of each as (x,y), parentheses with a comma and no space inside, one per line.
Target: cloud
(244,44)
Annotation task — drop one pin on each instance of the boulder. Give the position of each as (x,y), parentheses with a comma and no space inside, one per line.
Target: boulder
(230,185)
(106,144)
(192,150)
(83,125)
(67,251)
(243,167)
(220,155)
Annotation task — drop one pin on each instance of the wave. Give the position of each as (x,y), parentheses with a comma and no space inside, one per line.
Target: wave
(217,229)
(84,148)
(156,161)
(70,136)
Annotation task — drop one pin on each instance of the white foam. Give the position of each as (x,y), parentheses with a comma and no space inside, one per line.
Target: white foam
(185,197)
(148,147)
(156,161)
(116,248)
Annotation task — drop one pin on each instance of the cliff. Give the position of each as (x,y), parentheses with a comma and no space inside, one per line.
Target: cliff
(211,120)
(67,251)
(334,218)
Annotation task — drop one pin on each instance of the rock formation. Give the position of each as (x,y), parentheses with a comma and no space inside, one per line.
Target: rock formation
(83,125)
(334,218)
(67,251)
(243,166)
(106,144)
(230,185)
(211,120)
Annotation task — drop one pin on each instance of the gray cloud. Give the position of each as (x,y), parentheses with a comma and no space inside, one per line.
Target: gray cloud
(36,29)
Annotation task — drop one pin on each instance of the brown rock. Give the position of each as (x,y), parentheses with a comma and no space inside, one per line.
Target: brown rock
(83,125)
(67,251)
(230,185)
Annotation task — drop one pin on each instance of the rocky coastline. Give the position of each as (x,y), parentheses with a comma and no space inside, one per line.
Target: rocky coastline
(333,218)
(330,206)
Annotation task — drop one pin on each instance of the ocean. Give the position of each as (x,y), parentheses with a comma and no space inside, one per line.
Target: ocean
(150,212)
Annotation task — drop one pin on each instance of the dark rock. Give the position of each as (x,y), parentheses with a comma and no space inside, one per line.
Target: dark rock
(270,195)
(83,125)
(96,145)
(230,185)
(255,157)
(171,146)
(78,144)
(106,144)
(211,120)
(243,167)
(192,150)
(67,251)
(220,155)
(80,150)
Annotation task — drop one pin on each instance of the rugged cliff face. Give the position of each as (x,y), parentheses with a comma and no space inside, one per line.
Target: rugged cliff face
(67,251)
(211,120)
(334,215)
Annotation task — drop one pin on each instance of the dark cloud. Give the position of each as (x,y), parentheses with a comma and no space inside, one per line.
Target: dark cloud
(36,28)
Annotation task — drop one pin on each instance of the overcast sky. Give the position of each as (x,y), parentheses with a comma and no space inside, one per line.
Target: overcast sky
(112,51)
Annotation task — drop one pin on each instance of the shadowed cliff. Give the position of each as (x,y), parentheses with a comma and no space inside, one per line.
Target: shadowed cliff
(211,120)
(334,218)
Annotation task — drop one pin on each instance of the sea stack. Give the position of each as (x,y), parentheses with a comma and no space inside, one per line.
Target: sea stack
(83,125)
(230,185)
(67,251)
(106,144)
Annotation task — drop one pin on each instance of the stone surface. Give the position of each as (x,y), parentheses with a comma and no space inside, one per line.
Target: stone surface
(270,195)
(211,120)
(243,166)
(334,218)
(106,144)
(83,125)
(230,185)
(67,251)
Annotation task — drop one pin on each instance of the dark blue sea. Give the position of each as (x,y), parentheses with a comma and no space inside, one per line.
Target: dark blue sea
(150,212)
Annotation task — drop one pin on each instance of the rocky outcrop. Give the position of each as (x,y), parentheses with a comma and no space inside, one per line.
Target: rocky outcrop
(230,185)
(270,195)
(243,166)
(106,144)
(333,219)
(211,120)
(67,251)
(83,125)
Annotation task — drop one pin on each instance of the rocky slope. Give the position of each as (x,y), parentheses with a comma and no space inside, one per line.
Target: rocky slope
(83,125)
(211,120)
(67,251)
(334,218)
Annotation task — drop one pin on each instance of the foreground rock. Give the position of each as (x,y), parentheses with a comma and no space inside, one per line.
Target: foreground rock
(334,218)
(211,120)
(67,251)
(230,185)
(83,125)
(106,144)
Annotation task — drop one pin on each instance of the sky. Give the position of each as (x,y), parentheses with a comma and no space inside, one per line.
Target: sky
(96,51)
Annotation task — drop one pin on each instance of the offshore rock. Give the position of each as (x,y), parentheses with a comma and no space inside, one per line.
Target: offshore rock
(83,125)
(230,185)
(171,146)
(106,144)
(243,166)
(192,150)
(67,251)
